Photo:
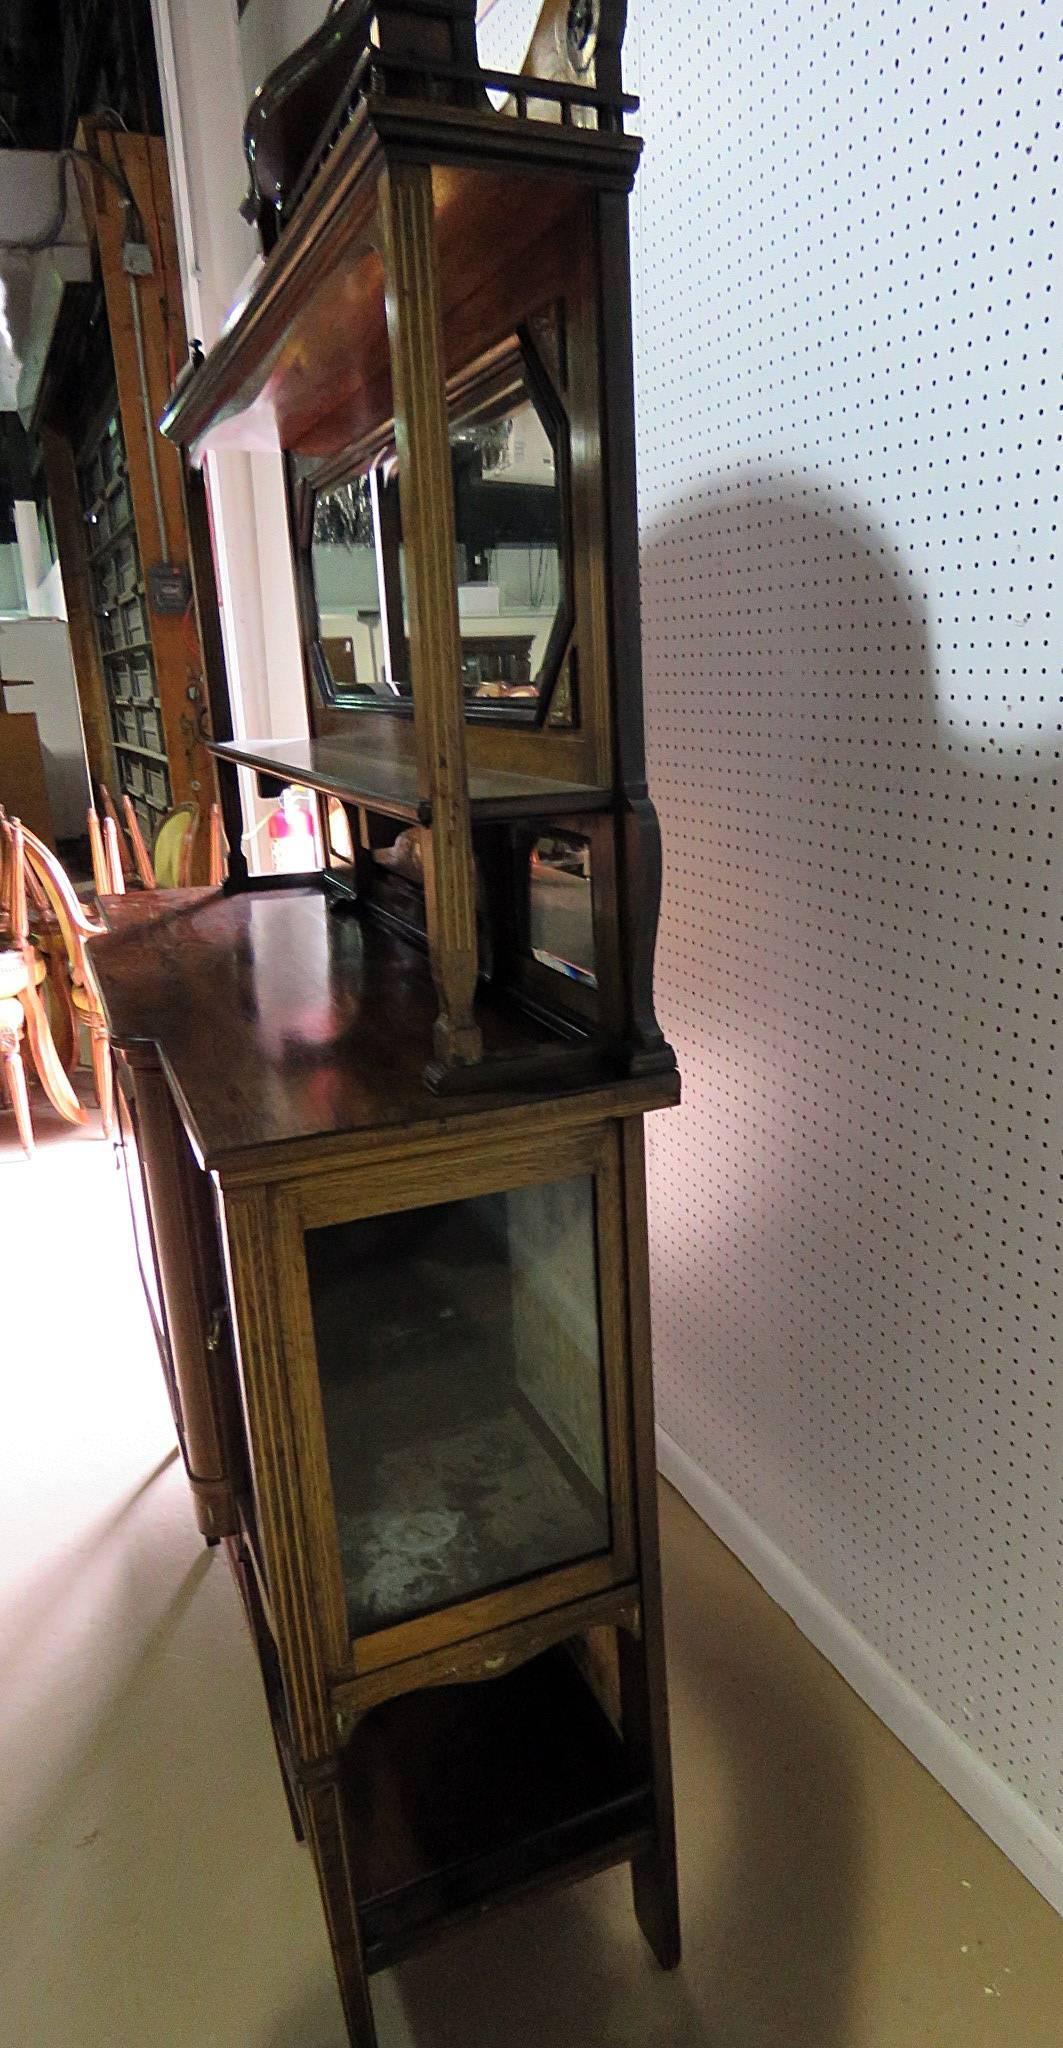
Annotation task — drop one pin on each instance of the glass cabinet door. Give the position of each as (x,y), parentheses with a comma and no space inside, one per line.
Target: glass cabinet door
(460,1361)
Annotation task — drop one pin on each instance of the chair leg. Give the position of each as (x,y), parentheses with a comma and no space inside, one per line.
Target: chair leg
(15,1081)
(101,1074)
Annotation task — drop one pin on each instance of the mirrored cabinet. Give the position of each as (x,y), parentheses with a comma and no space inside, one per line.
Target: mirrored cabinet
(390,1116)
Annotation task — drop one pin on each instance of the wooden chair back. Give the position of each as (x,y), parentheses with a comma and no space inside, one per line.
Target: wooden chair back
(169,863)
(120,848)
(17,903)
(101,873)
(219,853)
(174,847)
(141,856)
(107,850)
(76,926)
(70,915)
(21,881)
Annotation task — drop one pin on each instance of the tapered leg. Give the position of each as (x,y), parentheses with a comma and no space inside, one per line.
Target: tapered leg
(15,1082)
(644,1705)
(101,1074)
(326,1835)
(656,1894)
(643,1678)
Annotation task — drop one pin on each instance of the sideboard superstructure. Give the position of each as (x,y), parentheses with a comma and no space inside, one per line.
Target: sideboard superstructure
(390,1117)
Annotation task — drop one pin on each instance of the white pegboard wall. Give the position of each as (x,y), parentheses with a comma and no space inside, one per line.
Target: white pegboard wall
(848,354)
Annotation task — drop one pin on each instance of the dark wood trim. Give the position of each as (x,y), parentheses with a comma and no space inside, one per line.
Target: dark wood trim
(620,491)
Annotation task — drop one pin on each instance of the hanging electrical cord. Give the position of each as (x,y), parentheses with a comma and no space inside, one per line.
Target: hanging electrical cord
(137,262)
(133,227)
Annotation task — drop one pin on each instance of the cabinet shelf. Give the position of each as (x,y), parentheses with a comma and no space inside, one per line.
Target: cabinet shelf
(459,1795)
(390,786)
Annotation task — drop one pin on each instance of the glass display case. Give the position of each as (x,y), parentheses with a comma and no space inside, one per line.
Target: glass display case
(465,1368)
(461,1377)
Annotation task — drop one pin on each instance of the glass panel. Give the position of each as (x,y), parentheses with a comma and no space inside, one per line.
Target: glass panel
(460,1362)
(561,918)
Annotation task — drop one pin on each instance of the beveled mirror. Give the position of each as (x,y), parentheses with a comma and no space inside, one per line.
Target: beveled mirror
(510,470)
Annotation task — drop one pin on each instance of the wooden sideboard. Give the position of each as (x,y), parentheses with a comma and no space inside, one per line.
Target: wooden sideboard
(390,1120)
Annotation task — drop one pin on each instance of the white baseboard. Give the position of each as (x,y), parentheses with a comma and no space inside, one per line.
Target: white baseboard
(1003,1816)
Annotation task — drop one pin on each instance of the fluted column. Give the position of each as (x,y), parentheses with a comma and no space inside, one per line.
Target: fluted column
(426,496)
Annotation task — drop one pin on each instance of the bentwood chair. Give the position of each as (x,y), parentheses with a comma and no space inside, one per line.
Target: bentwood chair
(22,1009)
(108,874)
(169,863)
(14,981)
(75,927)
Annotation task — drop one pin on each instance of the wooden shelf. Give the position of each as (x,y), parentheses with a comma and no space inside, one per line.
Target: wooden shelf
(134,747)
(302,363)
(460,1795)
(390,785)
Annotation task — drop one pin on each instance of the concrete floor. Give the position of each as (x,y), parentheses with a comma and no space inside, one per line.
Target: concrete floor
(151,1895)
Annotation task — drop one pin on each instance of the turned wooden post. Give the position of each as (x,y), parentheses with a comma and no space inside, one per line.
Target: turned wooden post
(426,495)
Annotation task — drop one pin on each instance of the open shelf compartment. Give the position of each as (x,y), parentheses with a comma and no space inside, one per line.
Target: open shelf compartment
(461,1795)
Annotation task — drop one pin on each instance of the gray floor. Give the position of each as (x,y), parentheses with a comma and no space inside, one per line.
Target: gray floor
(151,1895)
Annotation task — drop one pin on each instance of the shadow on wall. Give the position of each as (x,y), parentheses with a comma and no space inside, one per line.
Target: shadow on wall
(859,920)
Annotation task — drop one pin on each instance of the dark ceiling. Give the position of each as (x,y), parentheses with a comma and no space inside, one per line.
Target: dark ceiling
(62,59)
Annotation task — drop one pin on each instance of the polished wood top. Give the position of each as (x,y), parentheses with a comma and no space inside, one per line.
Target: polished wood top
(279,1022)
(389,785)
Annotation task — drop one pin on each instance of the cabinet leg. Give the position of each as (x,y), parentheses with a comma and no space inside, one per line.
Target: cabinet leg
(656,1895)
(643,1678)
(326,1837)
(644,1709)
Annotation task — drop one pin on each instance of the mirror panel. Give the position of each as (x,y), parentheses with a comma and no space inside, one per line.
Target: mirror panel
(509,473)
(351,584)
(509,529)
(560,906)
